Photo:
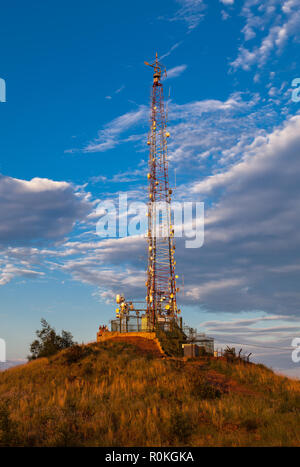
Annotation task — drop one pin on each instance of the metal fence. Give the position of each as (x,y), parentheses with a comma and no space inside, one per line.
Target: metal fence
(133,323)
(130,324)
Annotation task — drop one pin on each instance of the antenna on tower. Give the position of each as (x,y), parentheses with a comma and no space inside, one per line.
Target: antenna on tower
(159,68)
(161,280)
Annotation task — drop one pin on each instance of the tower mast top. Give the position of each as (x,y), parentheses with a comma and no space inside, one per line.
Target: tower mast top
(158,70)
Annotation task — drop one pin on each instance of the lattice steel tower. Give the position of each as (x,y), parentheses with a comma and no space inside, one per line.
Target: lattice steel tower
(161,279)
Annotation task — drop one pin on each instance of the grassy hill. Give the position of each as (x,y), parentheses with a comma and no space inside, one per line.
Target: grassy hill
(121,394)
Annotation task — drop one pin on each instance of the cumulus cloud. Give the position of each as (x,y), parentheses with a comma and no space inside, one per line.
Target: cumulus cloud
(39,210)
(251,250)
(35,212)
(250,256)
(256,239)
(259,157)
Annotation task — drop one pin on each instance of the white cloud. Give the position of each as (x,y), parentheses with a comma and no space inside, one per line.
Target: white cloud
(251,249)
(174,47)
(254,226)
(176,71)
(200,292)
(35,212)
(191,131)
(191,12)
(282,23)
(224,15)
(9,272)
(39,209)
(108,137)
(268,337)
(239,269)
(117,91)
(214,128)
(258,156)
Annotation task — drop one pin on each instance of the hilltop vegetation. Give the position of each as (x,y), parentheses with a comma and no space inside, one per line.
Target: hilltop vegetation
(48,342)
(116,394)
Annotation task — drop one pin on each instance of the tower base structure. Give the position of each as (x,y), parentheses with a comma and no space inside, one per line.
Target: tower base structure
(169,335)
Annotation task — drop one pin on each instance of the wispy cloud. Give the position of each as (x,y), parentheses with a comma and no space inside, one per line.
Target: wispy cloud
(174,47)
(197,128)
(108,137)
(280,19)
(176,71)
(10,271)
(225,15)
(267,337)
(191,12)
(117,91)
(126,176)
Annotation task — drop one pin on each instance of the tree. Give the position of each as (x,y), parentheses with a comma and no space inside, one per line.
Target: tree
(48,342)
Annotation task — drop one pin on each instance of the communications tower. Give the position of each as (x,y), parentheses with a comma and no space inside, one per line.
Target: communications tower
(161,278)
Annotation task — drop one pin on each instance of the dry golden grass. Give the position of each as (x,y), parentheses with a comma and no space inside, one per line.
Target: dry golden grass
(114,395)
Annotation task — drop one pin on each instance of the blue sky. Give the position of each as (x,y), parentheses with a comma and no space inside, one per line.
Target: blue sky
(74,130)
